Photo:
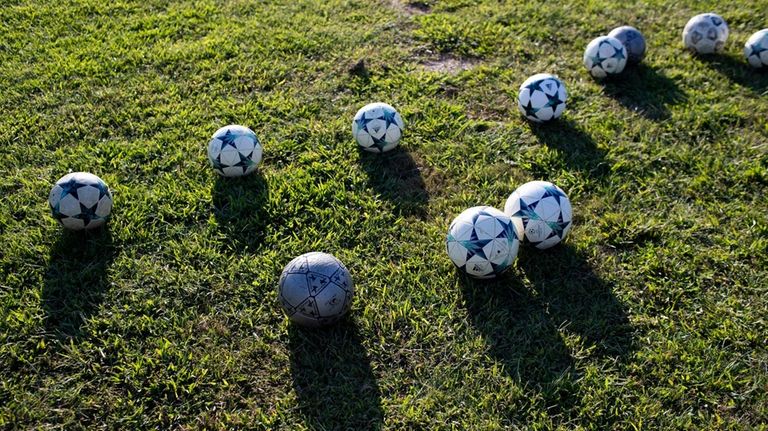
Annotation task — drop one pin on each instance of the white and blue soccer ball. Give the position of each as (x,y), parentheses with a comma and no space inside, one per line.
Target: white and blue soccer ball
(705,33)
(482,242)
(756,49)
(542,98)
(541,213)
(80,200)
(605,56)
(234,151)
(315,289)
(632,40)
(377,127)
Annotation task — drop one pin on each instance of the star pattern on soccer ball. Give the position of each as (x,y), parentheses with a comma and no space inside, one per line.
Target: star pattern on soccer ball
(245,161)
(530,111)
(228,139)
(87,214)
(71,187)
(389,117)
(618,53)
(756,49)
(534,86)
(554,100)
(527,211)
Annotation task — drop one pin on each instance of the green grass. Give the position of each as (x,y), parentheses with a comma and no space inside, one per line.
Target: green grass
(651,316)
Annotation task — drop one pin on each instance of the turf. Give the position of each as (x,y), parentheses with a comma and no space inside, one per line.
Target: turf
(652,315)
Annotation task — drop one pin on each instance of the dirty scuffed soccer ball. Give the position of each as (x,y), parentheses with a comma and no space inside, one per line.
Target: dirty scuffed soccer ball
(632,40)
(705,33)
(315,289)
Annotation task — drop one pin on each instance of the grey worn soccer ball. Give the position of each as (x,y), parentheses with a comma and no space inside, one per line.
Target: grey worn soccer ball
(315,289)
(705,33)
(632,40)
(756,49)
(80,200)
(605,56)
(482,242)
(377,127)
(541,213)
(542,98)
(234,151)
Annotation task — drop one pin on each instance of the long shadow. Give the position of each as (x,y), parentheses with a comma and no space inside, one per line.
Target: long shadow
(738,71)
(515,323)
(239,205)
(332,376)
(523,325)
(397,178)
(577,147)
(646,91)
(578,300)
(76,280)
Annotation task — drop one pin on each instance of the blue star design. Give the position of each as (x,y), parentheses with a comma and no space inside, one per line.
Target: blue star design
(530,111)
(389,117)
(756,49)
(70,188)
(534,86)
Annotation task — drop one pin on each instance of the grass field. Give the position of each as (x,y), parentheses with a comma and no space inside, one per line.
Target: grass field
(652,315)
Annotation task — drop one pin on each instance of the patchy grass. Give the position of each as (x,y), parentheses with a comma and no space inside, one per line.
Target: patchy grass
(651,316)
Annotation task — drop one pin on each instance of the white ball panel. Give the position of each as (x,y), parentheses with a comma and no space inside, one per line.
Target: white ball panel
(548,209)
(229,156)
(331,301)
(232,171)
(88,196)
(393,134)
(377,128)
(69,206)
(104,207)
(457,253)
(537,230)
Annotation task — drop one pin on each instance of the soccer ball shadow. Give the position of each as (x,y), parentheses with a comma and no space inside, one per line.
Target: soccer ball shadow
(579,300)
(240,209)
(519,333)
(76,279)
(645,91)
(397,178)
(576,146)
(525,316)
(738,71)
(333,378)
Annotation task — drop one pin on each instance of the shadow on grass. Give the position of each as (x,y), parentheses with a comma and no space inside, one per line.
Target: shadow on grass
(239,205)
(76,280)
(332,376)
(578,300)
(645,91)
(523,326)
(577,147)
(397,178)
(738,71)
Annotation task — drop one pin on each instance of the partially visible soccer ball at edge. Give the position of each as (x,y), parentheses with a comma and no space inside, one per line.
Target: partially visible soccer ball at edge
(705,33)
(80,201)
(315,289)
(632,40)
(542,98)
(482,242)
(541,213)
(605,56)
(756,49)
(234,151)
(377,127)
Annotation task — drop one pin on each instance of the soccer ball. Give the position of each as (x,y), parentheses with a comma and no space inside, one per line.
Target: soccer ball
(605,56)
(705,33)
(482,242)
(377,127)
(756,49)
(632,40)
(234,151)
(315,289)
(540,212)
(80,200)
(542,97)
